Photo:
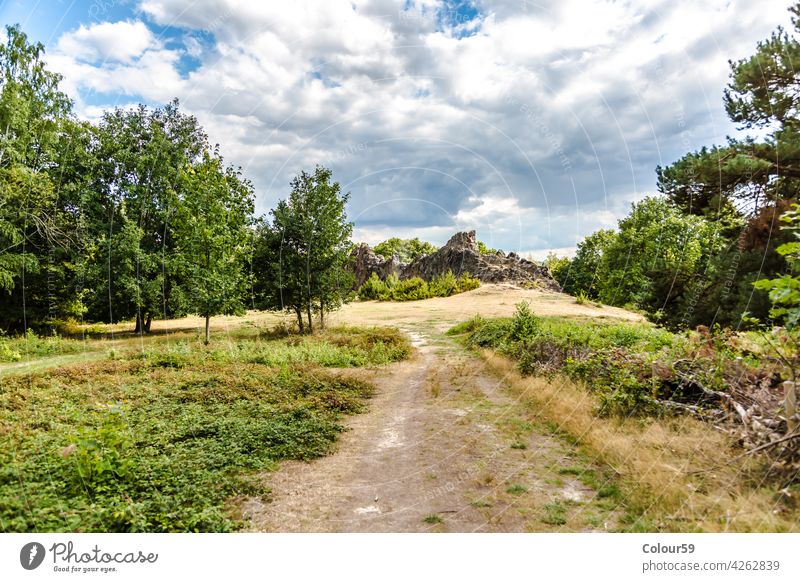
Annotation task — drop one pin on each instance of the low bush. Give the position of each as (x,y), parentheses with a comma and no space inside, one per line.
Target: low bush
(30,345)
(416,288)
(633,368)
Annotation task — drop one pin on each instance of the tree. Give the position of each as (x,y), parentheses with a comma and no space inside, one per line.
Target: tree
(582,273)
(406,250)
(303,255)
(141,153)
(784,291)
(762,93)
(212,234)
(558,266)
(657,258)
(484,250)
(37,139)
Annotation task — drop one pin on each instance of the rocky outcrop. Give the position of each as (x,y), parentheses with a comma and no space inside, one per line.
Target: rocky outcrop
(459,255)
(366,262)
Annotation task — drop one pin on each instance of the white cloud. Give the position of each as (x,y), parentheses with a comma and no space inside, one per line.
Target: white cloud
(107,41)
(538,128)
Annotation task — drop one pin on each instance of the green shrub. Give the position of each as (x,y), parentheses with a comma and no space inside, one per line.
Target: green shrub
(373,288)
(467,282)
(524,325)
(444,286)
(416,288)
(614,361)
(30,345)
(102,454)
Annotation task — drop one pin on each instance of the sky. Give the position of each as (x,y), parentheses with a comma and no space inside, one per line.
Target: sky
(534,123)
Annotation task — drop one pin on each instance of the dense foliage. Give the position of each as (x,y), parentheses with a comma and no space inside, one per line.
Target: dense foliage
(301,258)
(416,288)
(137,217)
(406,250)
(632,368)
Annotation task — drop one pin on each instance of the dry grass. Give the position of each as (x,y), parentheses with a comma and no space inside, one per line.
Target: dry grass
(662,464)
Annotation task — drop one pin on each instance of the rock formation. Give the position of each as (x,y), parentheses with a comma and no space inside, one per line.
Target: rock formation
(459,255)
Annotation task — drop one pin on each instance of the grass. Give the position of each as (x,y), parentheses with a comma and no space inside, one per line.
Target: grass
(554,514)
(656,467)
(29,346)
(163,439)
(601,386)
(432,519)
(517,489)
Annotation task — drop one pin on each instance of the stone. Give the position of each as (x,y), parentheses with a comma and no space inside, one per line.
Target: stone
(460,255)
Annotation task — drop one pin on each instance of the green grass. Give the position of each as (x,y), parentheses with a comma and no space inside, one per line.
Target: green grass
(432,519)
(30,346)
(632,368)
(517,489)
(554,514)
(162,440)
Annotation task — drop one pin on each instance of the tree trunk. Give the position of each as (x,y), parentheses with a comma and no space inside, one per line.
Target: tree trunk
(139,326)
(148,323)
(321,314)
(299,319)
(308,311)
(208,319)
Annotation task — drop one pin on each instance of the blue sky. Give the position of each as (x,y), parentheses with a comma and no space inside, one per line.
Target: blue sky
(533,122)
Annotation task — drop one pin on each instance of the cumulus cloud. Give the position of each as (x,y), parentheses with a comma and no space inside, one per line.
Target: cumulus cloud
(107,41)
(535,123)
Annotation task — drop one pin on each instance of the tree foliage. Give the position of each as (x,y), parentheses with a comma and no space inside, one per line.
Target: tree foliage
(213,236)
(406,250)
(784,291)
(301,256)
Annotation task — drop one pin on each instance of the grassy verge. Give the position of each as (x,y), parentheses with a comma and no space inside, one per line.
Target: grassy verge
(159,440)
(29,346)
(587,382)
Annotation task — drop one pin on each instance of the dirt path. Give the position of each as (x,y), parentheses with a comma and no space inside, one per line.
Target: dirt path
(442,448)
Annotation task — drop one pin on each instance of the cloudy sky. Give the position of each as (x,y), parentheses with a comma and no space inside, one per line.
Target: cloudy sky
(533,122)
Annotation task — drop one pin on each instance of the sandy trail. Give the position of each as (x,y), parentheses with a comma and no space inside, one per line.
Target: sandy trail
(433,453)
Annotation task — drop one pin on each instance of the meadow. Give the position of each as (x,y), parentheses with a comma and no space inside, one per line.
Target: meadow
(163,438)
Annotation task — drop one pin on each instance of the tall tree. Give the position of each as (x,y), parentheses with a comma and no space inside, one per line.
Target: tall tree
(36,234)
(304,252)
(141,153)
(213,239)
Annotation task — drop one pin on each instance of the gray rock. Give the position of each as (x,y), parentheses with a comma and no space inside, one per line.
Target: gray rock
(460,255)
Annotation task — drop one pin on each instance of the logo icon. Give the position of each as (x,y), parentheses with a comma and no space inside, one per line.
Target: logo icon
(31,555)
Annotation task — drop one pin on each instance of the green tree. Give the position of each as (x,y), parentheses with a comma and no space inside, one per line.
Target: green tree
(784,291)
(558,266)
(406,250)
(141,153)
(38,139)
(303,255)
(213,237)
(583,274)
(656,256)
(484,250)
